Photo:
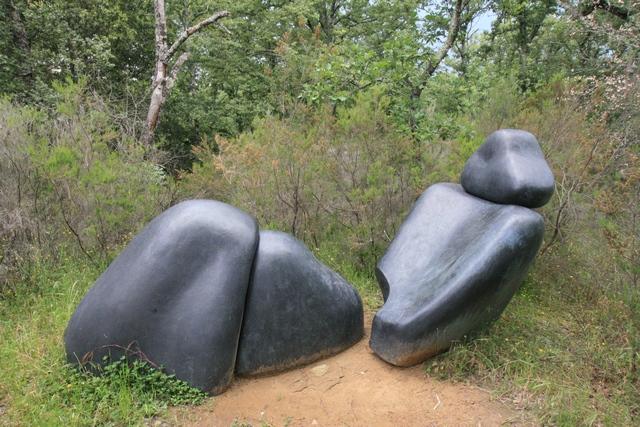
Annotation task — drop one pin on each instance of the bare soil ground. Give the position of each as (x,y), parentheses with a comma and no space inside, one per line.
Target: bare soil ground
(353,388)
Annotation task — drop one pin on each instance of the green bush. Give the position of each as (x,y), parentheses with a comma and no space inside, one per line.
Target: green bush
(347,178)
(70,185)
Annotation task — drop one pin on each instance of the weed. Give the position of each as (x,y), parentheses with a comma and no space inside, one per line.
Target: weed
(130,388)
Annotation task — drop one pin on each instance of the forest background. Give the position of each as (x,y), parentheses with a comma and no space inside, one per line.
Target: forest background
(324,119)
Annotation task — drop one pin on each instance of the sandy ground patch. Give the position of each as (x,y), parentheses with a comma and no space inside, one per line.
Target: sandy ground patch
(353,388)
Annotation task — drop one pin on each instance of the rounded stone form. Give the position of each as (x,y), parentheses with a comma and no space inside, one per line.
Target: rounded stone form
(174,296)
(298,310)
(452,268)
(509,168)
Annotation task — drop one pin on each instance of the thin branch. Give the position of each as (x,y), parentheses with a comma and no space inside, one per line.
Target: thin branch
(452,34)
(213,19)
(173,74)
(78,238)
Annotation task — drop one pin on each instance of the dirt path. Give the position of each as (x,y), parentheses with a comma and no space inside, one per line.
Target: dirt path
(354,388)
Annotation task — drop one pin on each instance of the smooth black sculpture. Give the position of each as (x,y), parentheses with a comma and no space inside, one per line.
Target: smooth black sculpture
(509,168)
(452,268)
(298,310)
(458,259)
(175,296)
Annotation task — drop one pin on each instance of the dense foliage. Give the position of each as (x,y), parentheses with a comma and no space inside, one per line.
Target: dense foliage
(326,119)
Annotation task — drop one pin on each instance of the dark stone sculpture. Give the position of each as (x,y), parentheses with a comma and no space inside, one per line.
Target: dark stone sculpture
(458,259)
(298,310)
(175,295)
(509,168)
(453,266)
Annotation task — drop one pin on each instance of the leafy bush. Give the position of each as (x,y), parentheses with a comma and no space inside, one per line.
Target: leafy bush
(347,179)
(70,184)
(139,385)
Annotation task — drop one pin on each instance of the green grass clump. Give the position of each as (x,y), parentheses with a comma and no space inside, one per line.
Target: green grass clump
(562,369)
(38,387)
(128,388)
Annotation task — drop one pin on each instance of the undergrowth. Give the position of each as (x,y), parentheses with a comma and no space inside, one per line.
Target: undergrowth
(128,388)
(560,368)
(38,387)
(558,353)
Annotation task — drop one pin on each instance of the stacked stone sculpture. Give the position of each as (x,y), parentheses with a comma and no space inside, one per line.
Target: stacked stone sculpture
(198,282)
(463,251)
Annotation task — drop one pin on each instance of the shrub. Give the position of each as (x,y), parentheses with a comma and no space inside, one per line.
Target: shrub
(70,184)
(348,178)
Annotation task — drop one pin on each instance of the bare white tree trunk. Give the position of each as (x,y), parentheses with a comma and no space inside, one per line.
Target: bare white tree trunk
(432,65)
(165,76)
(452,34)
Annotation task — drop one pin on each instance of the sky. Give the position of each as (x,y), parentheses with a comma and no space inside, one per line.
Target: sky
(483,23)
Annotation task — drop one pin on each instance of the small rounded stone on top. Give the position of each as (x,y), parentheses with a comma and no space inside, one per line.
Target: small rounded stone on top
(509,168)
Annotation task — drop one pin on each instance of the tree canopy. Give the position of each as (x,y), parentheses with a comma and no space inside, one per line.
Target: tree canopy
(314,51)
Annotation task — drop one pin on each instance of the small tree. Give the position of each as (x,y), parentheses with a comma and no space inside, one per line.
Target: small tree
(347,179)
(164,76)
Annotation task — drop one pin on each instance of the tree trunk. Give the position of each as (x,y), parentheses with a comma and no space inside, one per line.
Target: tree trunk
(22,42)
(430,68)
(452,34)
(164,76)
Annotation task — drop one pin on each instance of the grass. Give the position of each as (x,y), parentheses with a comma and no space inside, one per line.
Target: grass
(565,361)
(37,387)
(560,370)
